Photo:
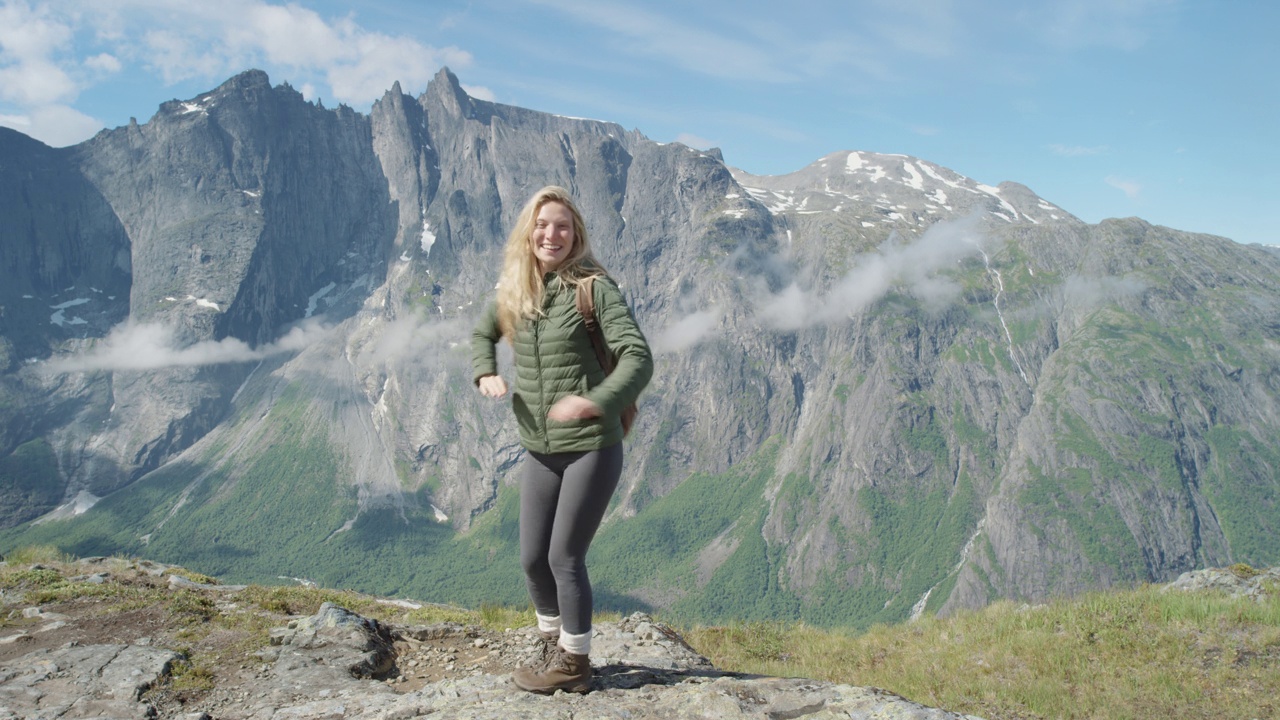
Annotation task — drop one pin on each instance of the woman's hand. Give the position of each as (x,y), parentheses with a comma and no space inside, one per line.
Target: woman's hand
(573,407)
(493,386)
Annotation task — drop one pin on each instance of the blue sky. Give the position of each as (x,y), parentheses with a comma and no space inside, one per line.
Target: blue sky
(1163,109)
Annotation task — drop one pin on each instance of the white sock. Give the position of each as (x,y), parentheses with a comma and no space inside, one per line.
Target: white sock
(548,624)
(576,644)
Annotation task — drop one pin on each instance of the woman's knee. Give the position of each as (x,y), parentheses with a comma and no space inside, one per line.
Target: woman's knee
(566,565)
(535,564)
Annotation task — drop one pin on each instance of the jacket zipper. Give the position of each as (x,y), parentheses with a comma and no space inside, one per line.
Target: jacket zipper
(542,392)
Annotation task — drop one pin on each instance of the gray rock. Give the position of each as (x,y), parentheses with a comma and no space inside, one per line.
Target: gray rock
(642,670)
(1255,585)
(82,681)
(364,647)
(177,581)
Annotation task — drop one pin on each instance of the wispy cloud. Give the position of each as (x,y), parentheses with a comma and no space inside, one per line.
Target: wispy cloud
(1077,150)
(694,141)
(151,346)
(685,44)
(686,332)
(413,338)
(1129,187)
(1085,292)
(912,266)
(720,40)
(1119,24)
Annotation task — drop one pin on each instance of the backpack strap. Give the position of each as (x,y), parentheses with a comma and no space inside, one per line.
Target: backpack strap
(587,308)
(585,301)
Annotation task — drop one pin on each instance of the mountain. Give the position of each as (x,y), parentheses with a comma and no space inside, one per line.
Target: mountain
(882,388)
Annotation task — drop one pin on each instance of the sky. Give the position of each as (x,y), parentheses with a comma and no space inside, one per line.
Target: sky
(1161,109)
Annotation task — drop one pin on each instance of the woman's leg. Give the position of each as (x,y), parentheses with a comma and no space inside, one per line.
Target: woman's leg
(539,493)
(574,489)
(587,485)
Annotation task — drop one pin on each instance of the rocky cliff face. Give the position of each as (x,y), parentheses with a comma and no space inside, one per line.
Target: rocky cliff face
(883,388)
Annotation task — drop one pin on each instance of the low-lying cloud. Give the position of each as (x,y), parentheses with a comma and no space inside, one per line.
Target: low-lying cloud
(152,346)
(911,266)
(686,332)
(1085,292)
(413,337)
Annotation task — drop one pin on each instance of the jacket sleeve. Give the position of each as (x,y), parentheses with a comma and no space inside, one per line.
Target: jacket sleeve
(484,338)
(622,335)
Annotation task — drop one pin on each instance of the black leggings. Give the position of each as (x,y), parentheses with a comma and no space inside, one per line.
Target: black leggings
(563,498)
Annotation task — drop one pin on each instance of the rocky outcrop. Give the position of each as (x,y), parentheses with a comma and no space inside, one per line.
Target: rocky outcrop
(1237,581)
(337,664)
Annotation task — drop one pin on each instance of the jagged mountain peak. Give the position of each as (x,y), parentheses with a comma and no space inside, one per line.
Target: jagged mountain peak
(244,86)
(446,91)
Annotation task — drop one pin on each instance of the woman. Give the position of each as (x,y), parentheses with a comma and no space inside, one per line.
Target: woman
(568,412)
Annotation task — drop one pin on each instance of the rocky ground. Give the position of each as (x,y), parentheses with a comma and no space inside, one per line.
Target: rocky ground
(112,638)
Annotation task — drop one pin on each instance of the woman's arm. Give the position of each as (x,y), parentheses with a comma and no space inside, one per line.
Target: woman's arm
(484,355)
(622,335)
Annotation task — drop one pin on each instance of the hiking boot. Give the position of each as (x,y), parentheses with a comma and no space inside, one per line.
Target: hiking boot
(563,671)
(548,642)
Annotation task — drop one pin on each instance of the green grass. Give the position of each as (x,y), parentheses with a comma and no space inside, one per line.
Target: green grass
(1133,654)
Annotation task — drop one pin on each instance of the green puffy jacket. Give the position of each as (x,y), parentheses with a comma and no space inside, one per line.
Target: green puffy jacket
(554,358)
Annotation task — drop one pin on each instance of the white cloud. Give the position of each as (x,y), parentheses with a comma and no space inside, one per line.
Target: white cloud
(104,62)
(291,35)
(21,123)
(150,346)
(694,141)
(1128,187)
(200,40)
(55,125)
(414,338)
(686,332)
(381,60)
(480,92)
(30,34)
(912,266)
(35,81)
(177,57)
(178,40)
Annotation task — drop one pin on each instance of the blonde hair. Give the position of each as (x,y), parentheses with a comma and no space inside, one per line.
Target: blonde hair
(520,286)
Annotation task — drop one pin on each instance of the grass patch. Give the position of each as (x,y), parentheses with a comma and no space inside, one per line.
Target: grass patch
(188,677)
(1132,654)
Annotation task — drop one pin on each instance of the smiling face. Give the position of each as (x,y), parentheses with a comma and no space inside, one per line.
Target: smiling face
(552,237)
